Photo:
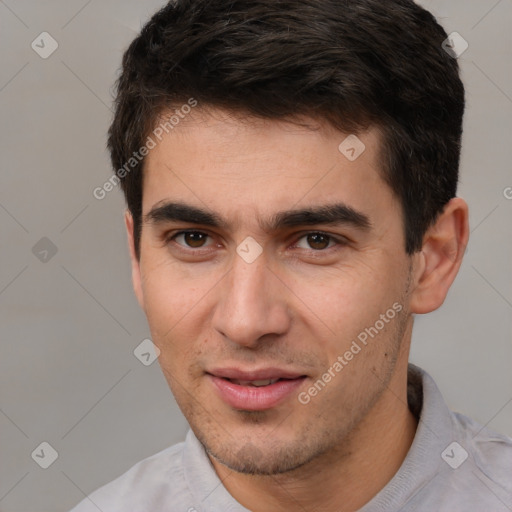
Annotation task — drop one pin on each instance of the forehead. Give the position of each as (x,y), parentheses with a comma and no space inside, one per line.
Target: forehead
(254,167)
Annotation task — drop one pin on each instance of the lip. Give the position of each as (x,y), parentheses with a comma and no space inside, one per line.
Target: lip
(252,398)
(261,374)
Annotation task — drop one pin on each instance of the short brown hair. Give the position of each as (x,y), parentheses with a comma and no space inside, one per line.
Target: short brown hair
(354,63)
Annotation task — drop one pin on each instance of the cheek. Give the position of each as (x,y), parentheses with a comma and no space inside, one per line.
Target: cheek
(172,306)
(343,303)
(169,292)
(341,297)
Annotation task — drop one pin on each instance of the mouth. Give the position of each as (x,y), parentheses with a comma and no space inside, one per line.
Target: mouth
(255,390)
(255,383)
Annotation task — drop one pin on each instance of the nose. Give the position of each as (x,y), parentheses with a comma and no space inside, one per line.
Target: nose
(252,304)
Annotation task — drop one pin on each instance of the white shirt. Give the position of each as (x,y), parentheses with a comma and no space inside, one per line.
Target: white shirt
(454,464)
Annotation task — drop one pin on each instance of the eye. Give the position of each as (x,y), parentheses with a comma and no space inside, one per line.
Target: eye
(190,239)
(318,241)
(314,241)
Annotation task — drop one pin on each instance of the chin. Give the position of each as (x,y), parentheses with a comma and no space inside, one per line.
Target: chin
(249,460)
(261,457)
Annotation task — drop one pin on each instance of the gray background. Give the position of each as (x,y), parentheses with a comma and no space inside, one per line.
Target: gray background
(69,325)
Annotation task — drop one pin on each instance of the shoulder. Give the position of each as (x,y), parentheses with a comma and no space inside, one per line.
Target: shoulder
(146,485)
(490,451)
(455,463)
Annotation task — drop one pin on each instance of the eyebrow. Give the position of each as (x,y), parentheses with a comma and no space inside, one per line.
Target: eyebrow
(330,214)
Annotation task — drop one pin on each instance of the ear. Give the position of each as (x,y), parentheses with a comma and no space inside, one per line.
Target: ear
(136,276)
(440,258)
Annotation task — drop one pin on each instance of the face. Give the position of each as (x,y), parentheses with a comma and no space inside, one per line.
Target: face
(268,255)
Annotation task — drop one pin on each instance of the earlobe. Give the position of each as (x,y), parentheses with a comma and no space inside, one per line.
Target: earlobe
(135,263)
(443,248)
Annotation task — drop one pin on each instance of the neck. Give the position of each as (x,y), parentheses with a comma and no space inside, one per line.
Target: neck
(347,477)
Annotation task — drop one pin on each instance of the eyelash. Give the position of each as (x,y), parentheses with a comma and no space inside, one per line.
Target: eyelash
(338,241)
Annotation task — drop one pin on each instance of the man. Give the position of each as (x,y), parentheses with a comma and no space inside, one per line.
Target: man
(290,170)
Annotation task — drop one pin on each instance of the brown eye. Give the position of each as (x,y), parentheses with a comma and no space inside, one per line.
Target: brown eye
(191,239)
(316,241)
